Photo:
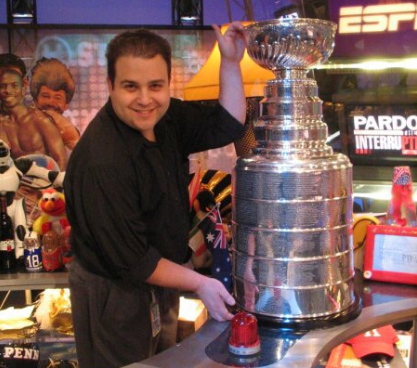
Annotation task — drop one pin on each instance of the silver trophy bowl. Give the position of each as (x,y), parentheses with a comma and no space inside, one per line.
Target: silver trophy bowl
(290,43)
(292,196)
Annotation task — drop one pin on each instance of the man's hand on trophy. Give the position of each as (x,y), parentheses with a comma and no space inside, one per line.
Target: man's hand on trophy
(232,44)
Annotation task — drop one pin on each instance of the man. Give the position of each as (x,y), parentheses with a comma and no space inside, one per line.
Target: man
(12,61)
(127,201)
(52,88)
(27,130)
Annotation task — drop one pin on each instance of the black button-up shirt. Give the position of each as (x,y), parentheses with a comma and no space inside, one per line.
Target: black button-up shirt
(127,198)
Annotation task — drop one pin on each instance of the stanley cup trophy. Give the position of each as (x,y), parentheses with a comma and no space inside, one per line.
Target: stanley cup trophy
(292,197)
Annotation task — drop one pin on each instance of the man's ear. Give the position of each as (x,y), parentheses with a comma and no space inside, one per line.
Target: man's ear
(25,83)
(109,85)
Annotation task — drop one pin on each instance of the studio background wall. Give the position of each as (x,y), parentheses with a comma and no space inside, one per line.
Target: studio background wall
(3,12)
(83,52)
(136,12)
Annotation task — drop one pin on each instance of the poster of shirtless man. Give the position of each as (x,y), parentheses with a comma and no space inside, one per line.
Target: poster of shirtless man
(27,130)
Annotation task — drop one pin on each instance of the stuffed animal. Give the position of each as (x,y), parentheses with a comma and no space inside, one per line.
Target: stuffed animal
(52,204)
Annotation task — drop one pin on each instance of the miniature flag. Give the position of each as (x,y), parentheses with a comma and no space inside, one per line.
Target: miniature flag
(196,238)
(215,240)
(194,186)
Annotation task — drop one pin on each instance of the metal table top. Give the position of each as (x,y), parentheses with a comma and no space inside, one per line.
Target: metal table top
(207,348)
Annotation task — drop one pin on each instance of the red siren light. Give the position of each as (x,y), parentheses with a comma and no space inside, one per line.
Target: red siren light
(244,338)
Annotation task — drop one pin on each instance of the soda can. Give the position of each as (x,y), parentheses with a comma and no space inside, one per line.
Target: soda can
(32,253)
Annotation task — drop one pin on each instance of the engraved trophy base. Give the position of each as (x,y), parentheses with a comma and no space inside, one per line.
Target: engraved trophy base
(321,322)
(314,323)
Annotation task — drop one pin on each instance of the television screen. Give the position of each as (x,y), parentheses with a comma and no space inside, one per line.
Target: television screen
(380,136)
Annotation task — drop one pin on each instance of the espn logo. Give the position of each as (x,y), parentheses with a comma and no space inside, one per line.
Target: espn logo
(377,18)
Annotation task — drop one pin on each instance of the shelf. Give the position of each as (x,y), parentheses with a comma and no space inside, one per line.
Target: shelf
(33,281)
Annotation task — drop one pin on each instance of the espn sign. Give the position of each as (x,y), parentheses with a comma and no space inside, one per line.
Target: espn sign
(377,18)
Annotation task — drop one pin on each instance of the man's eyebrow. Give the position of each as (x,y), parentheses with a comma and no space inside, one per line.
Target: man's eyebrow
(150,82)
(128,81)
(158,81)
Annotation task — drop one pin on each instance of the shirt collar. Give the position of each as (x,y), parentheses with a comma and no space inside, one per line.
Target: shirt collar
(133,138)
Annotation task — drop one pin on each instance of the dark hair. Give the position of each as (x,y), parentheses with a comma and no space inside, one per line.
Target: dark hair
(4,71)
(206,200)
(140,43)
(12,61)
(53,74)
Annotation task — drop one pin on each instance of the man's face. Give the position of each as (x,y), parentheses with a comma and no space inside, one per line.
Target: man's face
(12,89)
(49,99)
(140,95)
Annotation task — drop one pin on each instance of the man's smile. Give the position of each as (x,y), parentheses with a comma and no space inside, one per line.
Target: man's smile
(142,112)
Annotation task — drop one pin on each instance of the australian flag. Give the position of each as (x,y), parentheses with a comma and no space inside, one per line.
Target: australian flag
(215,240)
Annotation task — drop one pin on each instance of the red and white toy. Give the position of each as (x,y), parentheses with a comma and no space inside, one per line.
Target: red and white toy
(54,217)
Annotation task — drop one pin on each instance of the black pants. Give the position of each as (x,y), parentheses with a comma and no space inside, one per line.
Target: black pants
(112,320)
